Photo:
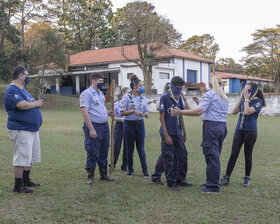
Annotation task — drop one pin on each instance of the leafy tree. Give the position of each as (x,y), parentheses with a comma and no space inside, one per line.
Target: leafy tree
(139,24)
(228,65)
(46,51)
(9,41)
(83,22)
(263,56)
(25,11)
(203,46)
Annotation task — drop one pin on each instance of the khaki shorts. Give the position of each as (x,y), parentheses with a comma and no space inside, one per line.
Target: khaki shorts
(26,147)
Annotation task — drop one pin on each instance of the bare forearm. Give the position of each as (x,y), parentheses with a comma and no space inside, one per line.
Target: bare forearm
(162,123)
(118,119)
(192,112)
(126,112)
(236,107)
(87,120)
(183,125)
(25,105)
(187,106)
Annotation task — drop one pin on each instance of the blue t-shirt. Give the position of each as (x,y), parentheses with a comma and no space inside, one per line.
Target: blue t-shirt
(172,122)
(249,122)
(139,103)
(26,120)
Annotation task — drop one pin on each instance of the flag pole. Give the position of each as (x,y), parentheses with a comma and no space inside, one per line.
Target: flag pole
(110,98)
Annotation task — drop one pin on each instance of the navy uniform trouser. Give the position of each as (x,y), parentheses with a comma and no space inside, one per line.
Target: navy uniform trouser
(174,171)
(134,131)
(118,137)
(214,134)
(97,148)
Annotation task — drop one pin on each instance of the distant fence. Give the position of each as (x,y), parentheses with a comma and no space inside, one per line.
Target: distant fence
(272,103)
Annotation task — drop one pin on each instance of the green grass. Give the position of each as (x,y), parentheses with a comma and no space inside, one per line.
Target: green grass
(63,196)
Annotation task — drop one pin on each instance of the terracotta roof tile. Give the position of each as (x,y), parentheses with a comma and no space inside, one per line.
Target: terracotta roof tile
(110,55)
(225,75)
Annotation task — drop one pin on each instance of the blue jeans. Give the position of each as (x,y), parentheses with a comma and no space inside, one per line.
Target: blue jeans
(134,131)
(118,137)
(97,148)
(214,134)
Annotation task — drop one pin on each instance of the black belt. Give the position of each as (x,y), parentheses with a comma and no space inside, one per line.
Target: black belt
(133,121)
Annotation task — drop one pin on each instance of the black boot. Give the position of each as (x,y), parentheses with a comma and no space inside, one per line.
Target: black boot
(246,181)
(20,188)
(90,175)
(183,183)
(103,173)
(27,182)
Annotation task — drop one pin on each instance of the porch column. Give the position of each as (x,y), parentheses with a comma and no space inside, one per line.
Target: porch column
(57,85)
(77,85)
(87,80)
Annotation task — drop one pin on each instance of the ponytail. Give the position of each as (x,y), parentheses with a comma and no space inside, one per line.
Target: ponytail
(216,84)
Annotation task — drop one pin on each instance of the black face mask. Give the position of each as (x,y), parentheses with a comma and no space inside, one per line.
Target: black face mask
(100,85)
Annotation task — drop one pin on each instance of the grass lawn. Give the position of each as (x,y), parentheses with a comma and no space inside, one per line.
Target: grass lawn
(63,196)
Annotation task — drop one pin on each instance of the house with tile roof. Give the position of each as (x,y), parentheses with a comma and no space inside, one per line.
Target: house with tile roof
(110,61)
(234,83)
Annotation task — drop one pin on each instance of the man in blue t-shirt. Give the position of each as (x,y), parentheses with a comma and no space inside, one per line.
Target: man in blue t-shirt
(172,137)
(24,122)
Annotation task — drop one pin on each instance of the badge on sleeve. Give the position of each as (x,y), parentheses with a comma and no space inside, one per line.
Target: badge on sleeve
(16,96)
(82,99)
(258,104)
(162,106)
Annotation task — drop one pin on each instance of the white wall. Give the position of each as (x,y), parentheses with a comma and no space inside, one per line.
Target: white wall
(158,83)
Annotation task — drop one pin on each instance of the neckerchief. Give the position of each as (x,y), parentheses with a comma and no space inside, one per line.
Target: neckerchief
(132,102)
(252,98)
(176,101)
(173,97)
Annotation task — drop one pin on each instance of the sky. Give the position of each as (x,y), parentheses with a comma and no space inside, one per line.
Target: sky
(231,22)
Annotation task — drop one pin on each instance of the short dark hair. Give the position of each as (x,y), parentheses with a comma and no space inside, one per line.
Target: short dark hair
(177,81)
(96,75)
(19,70)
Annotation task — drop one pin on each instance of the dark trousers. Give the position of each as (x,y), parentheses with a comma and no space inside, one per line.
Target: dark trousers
(97,148)
(134,131)
(178,170)
(118,137)
(248,138)
(214,134)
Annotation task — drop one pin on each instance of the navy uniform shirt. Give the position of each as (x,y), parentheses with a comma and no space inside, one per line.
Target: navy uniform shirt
(26,120)
(172,122)
(126,104)
(214,106)
(95,102)
(249,122)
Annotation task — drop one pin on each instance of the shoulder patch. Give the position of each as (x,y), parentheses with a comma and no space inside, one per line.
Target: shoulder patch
(258,104)
(16,96)
(161,106)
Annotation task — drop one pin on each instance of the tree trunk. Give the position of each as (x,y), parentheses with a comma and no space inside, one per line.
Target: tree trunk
(277,86)
(148,79)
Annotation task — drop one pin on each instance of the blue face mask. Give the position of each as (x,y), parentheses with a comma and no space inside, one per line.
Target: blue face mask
(100,85)
(26,80)
(176,90)
(142,90)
